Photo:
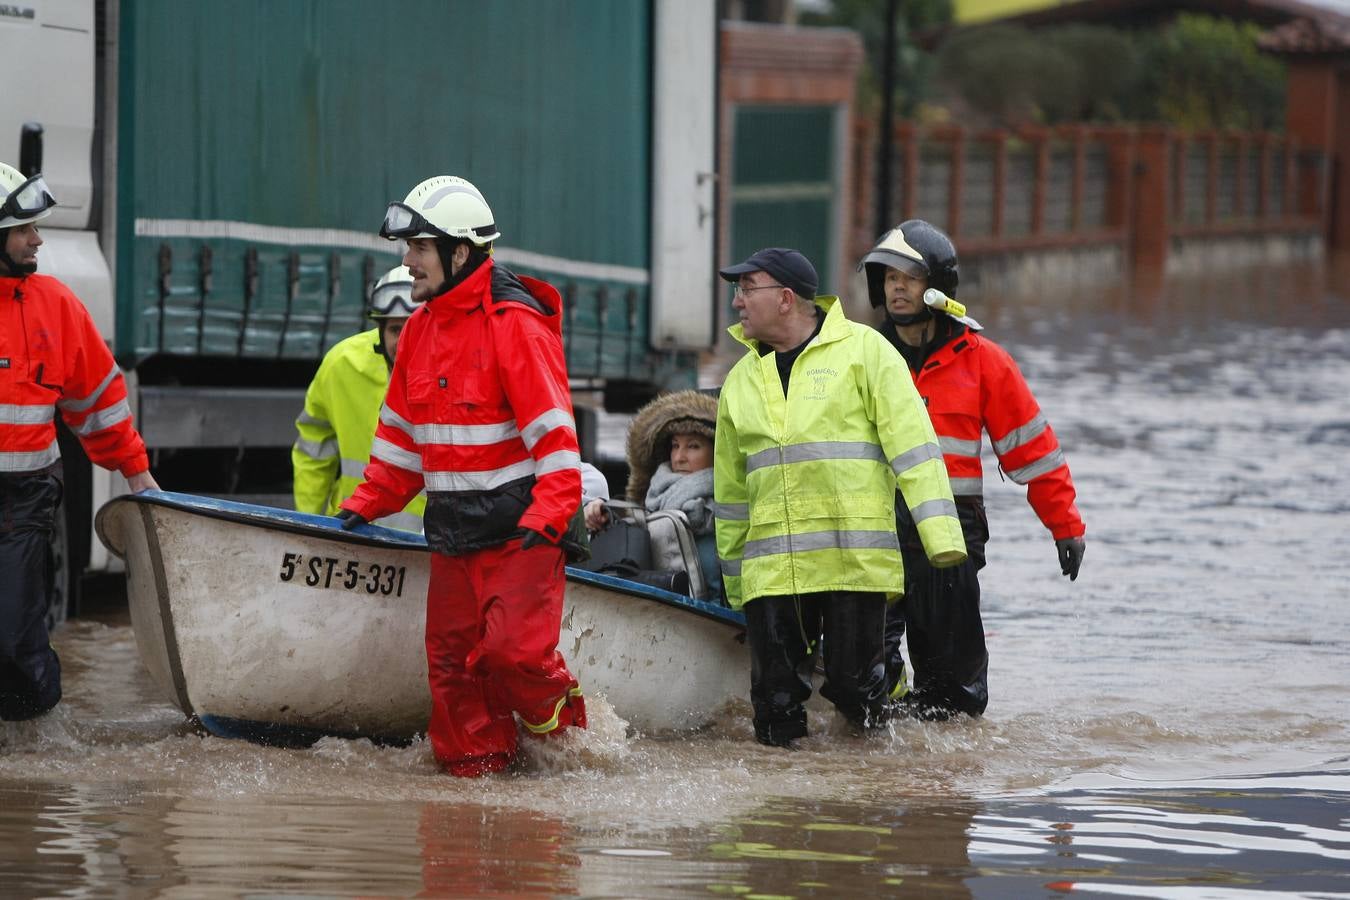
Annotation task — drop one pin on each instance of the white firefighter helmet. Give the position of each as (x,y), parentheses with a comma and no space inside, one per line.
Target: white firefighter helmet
(23,200)
(443,206)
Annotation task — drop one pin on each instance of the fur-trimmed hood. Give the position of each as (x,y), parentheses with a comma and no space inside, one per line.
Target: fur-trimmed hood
(649,434)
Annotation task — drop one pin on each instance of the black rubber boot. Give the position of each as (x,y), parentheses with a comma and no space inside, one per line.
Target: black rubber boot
(781,661)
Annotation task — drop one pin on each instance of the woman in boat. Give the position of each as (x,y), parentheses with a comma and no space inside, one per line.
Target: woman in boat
(670,454)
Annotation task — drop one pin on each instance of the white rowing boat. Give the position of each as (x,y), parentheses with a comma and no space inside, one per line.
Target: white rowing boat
(275,624)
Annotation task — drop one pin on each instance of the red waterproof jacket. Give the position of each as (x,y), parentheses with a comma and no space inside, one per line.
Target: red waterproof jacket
(970,384)
(52,357)
(479,412)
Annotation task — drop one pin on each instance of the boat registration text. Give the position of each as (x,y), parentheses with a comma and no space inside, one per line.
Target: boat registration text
(353,575)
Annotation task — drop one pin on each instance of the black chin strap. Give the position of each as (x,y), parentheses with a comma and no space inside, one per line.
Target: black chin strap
(922,315)
(382,350)
(12,268)
(445,249)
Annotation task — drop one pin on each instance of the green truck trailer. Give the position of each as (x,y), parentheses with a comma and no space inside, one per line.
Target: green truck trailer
(222,170)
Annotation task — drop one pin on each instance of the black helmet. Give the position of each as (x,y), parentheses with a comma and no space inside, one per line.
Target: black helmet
(916,247)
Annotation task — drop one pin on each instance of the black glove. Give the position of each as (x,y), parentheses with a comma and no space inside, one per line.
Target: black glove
(534,539)
(350,519)
(1070,555)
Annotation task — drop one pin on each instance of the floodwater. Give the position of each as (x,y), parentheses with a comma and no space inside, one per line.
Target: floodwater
(1172,725)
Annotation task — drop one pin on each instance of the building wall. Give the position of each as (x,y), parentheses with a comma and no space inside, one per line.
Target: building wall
(794,88)
(1079,204)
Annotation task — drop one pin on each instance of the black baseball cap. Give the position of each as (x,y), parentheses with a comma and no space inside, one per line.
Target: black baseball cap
(788,267)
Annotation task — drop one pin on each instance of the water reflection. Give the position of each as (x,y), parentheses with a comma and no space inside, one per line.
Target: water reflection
(1184,841)
(60,838)
(1232,838)
(461,848)
(829,849)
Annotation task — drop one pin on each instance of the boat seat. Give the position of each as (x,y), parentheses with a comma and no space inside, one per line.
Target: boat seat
(645,546)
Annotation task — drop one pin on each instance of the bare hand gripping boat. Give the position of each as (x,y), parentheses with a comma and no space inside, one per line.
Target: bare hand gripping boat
(262,622)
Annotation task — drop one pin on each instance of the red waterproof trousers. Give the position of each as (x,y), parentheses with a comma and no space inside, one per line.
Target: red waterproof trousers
(493,617)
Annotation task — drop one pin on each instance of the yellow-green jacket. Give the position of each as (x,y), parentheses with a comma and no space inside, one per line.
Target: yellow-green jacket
(805,486)
(337,428)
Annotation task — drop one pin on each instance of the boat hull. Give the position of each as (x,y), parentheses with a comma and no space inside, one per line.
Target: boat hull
(247,615)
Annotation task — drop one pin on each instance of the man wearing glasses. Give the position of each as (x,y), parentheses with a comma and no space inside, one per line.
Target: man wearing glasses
(342,408)
(815,430)
(52,359)
(479,412)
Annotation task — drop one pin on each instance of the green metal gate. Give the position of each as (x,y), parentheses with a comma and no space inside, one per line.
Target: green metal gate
(783,191)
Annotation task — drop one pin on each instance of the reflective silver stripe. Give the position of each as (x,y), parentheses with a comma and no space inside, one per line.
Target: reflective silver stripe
(104,418)
(1048,463)
(1020,435)
(731,568)
(558,461)
(732,512)
(761,459)
(478,481)
(931,509)
(814,450)
(27,462)
(821,540)
(405,521)
(958,447)
(543,424)
(25,414)
(447,190)
(911,458)
(465,435)
(396,455)
(394,420)
(352,468)
(968,487)
(82,403)
(318,450)
(307,419)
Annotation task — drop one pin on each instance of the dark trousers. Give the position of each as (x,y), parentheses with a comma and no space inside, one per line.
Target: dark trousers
(940,613)
(30,673)
(788,634)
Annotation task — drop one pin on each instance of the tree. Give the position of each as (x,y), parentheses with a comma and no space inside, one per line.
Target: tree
(913,64)
(1203,72)
(1199,72)
(1013,75)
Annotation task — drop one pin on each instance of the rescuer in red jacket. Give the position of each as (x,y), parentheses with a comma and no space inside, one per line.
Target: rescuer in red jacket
(52,359)
(479,411)
(970,385)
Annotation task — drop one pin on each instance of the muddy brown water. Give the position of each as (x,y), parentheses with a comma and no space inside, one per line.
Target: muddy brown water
(1172,725)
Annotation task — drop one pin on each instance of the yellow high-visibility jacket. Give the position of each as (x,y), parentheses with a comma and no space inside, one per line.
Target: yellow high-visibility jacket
(337,428)
(805,486)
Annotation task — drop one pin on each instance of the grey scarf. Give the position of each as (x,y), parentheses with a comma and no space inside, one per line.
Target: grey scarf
(691,493)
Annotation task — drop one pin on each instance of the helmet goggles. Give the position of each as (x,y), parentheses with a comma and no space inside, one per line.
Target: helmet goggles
(392,301)
(402,222)
(28,200)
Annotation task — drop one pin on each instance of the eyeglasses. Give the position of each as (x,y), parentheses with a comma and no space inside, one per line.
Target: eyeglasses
(27,200)
(741,290)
